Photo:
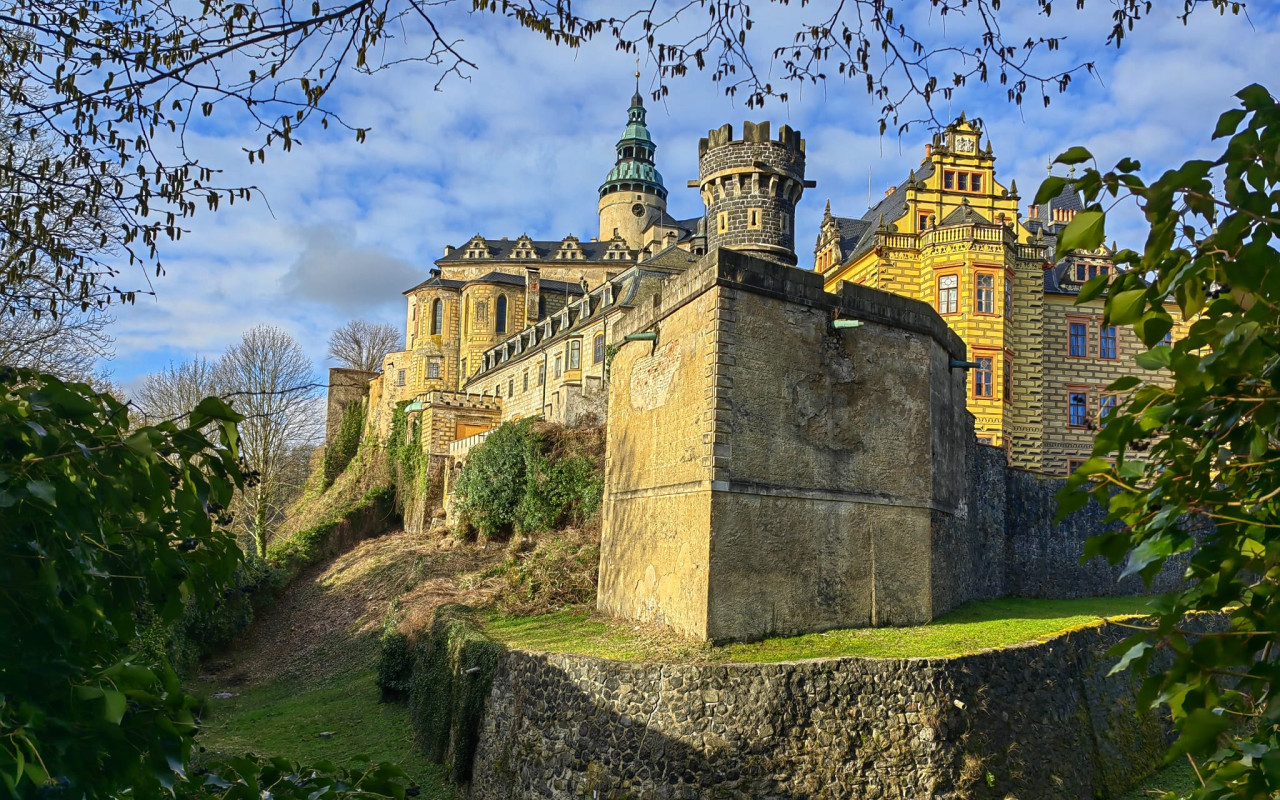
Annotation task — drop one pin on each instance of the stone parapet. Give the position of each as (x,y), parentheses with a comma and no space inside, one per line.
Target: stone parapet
(750,187)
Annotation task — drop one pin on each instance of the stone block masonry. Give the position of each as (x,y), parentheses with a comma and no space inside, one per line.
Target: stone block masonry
(346,386)
(750,187)
(769,475)
(1042,721)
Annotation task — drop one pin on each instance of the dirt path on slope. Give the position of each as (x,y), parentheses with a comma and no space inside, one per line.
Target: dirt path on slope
(328,620)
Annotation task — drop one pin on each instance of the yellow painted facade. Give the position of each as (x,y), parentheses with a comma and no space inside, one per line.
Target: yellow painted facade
(952,235)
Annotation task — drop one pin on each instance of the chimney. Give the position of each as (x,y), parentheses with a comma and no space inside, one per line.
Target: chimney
(448,250)
(928,151)
(888,191)
(532,289)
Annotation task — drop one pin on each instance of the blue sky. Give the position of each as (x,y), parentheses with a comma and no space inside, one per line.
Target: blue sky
(521,145)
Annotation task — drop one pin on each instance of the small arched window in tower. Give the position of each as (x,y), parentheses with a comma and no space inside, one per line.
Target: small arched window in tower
(753,219)
(437,317)
(466,317)
(500,314)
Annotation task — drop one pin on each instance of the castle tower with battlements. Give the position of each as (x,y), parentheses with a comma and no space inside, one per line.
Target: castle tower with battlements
(750,187)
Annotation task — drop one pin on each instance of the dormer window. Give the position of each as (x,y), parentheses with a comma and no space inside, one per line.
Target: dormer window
(569,250)
(477,248)
(1087,272)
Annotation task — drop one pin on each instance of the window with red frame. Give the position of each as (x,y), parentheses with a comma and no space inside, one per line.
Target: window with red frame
(1107,344)
(984,377)
(985,298)
(1077,408)
(1078,340)
(948,294)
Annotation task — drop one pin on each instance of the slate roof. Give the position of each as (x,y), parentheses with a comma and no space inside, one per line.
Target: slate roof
(544,250)
(851,231)
(854,238)
(436,282)
(1068,199)
(518,280)
(507,279)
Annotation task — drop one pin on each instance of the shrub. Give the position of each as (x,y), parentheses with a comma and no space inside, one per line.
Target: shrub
(395,659)
(531,477)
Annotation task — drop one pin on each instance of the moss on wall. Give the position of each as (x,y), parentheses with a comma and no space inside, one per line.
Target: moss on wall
(453,668)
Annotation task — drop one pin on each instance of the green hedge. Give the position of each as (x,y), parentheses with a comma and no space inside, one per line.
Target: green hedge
(200,632)
(452,674)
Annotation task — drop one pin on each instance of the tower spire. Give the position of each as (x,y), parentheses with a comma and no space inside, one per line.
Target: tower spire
(632,196)
(636,100)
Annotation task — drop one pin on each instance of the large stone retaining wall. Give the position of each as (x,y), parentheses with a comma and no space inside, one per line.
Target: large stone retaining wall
(1034,721)
(1017,547)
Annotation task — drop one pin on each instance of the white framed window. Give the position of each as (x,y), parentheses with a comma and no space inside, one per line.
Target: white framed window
(948,294)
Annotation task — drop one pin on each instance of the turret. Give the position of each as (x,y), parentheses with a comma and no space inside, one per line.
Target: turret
(750,187)
(632,197)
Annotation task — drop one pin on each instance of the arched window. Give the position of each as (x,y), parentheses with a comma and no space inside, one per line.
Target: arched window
(437,317)
(598,348)
(542,306)
(466,315)
(500,315)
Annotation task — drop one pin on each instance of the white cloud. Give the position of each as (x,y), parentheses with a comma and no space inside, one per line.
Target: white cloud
(345,277)
(523,145)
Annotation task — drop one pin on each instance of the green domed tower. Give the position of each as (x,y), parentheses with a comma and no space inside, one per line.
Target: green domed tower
(632,197)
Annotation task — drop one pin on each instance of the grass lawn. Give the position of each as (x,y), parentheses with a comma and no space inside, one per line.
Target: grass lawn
(287,719)
(972,627)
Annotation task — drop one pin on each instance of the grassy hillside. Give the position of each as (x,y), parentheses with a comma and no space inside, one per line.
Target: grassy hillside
(338,720)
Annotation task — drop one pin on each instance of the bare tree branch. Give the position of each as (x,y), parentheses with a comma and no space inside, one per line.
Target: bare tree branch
(360,344)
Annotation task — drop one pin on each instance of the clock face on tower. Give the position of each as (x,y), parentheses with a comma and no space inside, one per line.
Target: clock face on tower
(965,144)
(638,210)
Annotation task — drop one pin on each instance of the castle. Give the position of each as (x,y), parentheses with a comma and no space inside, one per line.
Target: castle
(787,449)
(511,327)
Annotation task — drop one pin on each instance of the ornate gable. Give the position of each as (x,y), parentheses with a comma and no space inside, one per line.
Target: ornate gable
(523,248)
(570,250)
(477,248)
(617,250)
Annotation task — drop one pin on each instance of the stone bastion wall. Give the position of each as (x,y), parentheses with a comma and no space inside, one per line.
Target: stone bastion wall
(1032,721)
